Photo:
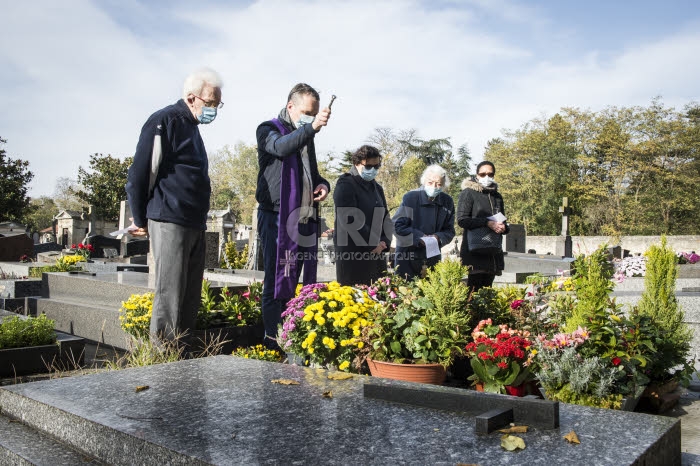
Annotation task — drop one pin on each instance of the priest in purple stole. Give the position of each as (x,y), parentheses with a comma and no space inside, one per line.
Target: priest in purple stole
(288,192)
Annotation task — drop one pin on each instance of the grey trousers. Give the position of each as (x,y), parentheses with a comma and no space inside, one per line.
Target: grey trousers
(178,253)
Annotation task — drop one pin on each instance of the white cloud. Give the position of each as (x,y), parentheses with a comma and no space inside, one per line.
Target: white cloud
(84,81)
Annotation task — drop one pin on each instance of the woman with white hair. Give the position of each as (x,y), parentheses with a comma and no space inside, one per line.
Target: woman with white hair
(424,212)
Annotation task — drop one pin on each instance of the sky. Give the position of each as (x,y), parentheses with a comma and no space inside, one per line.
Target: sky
(80,77)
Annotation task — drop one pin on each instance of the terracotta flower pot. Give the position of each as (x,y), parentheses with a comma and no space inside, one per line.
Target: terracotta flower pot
(423,373)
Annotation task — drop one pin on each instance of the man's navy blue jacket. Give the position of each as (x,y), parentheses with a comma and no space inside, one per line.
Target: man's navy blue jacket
(169,178)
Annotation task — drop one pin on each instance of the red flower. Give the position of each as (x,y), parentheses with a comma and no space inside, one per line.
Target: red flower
(73,246)
(246,294)
(517,304)
(90,248)
(502,365)
(616,361)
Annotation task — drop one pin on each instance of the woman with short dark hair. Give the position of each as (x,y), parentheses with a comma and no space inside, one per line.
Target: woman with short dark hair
(362,223)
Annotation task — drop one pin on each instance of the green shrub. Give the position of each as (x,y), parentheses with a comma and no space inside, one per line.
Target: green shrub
(232,258)
(659,303)
(593,287)
(18,333)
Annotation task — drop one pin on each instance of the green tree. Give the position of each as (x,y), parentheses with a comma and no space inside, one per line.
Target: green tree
(14,180)
(40,214)
(234,174)
(104,184)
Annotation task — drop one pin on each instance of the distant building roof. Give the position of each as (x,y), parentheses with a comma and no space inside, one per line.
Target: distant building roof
(12,226)
(68,214)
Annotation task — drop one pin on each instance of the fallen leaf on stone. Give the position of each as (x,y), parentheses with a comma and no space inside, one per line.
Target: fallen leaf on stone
(141,388)
(285,381)
(328,394)
(571,437)
(514,430)
(339,376)
(511,443)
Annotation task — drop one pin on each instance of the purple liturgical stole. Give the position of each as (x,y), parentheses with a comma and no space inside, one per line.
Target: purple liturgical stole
(290,254)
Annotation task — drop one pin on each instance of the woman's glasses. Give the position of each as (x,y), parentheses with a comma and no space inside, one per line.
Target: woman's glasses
(371,166)
(482,175)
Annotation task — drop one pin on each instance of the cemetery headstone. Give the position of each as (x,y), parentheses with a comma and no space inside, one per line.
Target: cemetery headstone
(563,245)
(15,245)
(211,260)
(515,239)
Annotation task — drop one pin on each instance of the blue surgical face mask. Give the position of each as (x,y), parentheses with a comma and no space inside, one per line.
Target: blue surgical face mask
(368,174)
(207,116)
(304,120)
(431,191)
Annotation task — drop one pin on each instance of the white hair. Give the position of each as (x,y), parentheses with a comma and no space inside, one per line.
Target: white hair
(195,82)
(436,170)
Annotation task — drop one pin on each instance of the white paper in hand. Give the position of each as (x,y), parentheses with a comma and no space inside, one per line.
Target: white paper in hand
(432,248)
(124,231)
(499,217)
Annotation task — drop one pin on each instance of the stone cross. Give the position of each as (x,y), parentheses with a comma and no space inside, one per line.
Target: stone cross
(565,212)
(563,244)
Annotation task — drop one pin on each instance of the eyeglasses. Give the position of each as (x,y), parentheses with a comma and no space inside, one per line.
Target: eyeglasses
(482,175)
(210,103)
(371,166)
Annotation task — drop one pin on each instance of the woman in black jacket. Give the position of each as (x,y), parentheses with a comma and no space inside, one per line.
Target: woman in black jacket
(362,223)
(479,200)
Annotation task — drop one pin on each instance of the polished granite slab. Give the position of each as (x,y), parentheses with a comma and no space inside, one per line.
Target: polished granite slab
(226,410)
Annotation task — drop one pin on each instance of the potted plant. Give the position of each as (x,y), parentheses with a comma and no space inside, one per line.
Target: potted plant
(500,358)
(603,365)
(672,338)
(31,345)
(419,330)
(234,315)
(322,325)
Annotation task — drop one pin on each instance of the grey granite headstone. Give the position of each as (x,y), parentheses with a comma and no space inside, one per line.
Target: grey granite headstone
(212,250)
(515,239)
(227,410)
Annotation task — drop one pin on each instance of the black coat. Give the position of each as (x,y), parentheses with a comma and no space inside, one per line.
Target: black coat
(272,148)
(475,204)
(361,222)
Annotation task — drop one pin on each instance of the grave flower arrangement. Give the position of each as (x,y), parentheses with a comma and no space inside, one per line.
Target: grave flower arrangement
(230,308)
(500,357)
(421,322)
(83,250)
(323,323)
(135,315)
(258,352)
(688,258)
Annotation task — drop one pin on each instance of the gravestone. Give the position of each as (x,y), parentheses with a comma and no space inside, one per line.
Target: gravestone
(47,247)
(100,242)
(515,239)
(563,245)
(134,247)
(15,245)
(235,418)
(615,252)
(211,260)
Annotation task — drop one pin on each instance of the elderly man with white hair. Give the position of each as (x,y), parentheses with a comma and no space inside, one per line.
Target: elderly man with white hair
(424,212)
(168,190)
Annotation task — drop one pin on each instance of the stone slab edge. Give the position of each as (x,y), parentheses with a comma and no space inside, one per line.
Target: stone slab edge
(96,440)
(543,414)
(22,445)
